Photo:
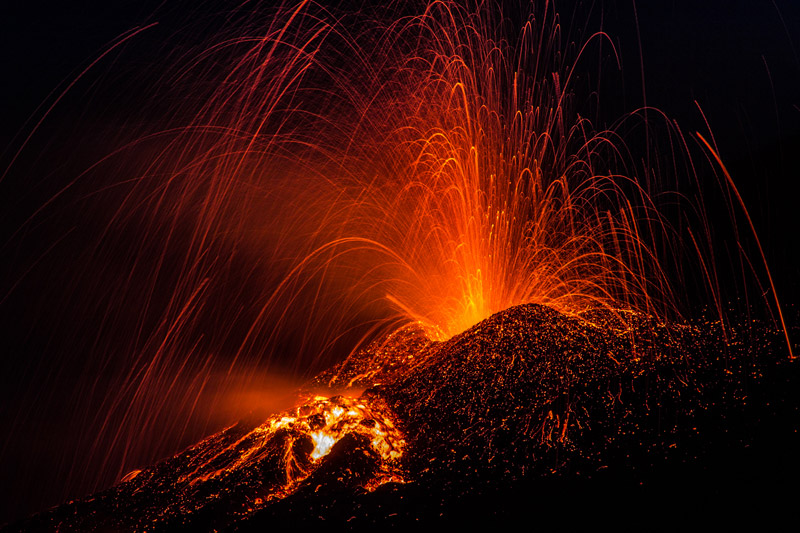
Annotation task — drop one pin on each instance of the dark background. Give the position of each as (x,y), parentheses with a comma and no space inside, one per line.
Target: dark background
(737,59)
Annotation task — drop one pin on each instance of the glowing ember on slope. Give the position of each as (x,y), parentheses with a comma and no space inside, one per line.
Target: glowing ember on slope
(305,437)
(327,420)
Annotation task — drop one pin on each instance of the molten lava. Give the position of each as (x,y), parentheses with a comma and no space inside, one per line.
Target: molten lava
(305,437)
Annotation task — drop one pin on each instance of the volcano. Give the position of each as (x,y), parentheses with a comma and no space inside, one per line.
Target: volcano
(529,415)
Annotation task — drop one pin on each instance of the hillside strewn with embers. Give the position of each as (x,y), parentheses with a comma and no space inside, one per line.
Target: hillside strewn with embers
(529,402)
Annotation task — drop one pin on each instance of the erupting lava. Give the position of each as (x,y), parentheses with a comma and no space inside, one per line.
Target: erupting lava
(472,185)
(424,175)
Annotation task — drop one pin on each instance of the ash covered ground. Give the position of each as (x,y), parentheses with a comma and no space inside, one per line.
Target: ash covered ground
(530,417)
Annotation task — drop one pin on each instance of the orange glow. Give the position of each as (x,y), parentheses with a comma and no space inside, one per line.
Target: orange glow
(307,180)
(325,421)
(474,186)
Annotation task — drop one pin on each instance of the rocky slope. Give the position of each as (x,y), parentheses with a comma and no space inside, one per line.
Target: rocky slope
(529,415)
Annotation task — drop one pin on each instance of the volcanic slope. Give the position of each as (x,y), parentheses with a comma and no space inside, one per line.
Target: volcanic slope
(530,413)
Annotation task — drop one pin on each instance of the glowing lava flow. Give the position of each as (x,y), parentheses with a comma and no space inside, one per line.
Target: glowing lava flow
(303,438)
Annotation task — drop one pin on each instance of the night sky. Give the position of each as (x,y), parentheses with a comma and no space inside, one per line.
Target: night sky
(739,60)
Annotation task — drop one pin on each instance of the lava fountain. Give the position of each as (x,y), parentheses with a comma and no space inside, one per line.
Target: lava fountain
(316,179)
